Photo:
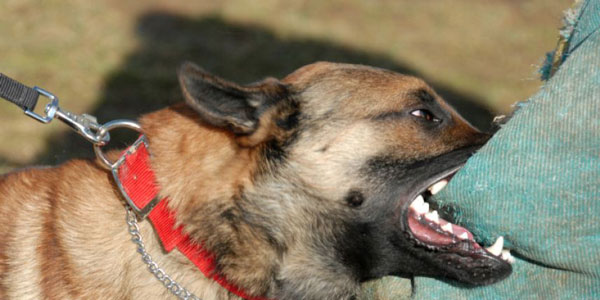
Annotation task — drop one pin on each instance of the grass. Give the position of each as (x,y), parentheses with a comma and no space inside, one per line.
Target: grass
(116,58)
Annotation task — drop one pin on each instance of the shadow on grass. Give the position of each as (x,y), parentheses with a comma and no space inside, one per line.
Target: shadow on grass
(147,81)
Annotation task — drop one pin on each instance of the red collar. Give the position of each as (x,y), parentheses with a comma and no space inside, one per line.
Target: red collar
(137,183)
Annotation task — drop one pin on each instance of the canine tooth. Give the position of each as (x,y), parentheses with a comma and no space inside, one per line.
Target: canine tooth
(463,236)
(438,186)
(433,216)
(417,203)
(424,208)
(447,228)
(507,256)
(496,248)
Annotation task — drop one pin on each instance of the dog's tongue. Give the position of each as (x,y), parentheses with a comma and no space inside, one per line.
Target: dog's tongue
(428,227)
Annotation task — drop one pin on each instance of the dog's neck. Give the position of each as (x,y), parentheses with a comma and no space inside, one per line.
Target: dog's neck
(196,165)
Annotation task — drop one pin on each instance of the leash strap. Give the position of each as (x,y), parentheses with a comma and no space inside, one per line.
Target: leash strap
(21,95)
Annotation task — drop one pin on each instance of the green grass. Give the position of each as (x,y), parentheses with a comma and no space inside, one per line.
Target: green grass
(117,58)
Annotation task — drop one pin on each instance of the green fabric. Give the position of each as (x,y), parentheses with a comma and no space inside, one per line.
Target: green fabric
(537,183)
(587,24)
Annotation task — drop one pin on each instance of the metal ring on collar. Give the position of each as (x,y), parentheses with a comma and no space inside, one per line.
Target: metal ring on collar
(103,131)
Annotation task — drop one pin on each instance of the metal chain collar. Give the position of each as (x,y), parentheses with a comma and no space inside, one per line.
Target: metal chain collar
(172,286)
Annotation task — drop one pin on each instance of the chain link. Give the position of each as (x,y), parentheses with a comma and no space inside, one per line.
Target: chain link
(171,285)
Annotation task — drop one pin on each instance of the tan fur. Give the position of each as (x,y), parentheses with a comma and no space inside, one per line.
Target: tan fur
(64,234)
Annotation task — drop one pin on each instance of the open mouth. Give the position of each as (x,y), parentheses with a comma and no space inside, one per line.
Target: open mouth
(430,230)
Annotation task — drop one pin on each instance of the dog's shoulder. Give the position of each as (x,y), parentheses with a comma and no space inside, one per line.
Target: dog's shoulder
(43,186)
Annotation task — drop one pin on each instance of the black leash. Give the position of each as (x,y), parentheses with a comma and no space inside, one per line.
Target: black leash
(21,95)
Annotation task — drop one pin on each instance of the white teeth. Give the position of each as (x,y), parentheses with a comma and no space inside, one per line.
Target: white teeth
(447,228)
(438,186)
(507,256)
(496,248)
(433,217)
(463,236)
(419,205)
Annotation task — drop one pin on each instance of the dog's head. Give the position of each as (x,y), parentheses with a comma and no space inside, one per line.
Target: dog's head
(345,155)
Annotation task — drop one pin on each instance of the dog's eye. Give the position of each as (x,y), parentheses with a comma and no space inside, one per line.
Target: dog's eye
(425,114)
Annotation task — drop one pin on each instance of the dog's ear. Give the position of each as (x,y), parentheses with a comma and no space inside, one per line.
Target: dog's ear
(225,104)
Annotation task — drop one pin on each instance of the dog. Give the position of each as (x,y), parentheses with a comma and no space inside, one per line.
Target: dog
(300,188)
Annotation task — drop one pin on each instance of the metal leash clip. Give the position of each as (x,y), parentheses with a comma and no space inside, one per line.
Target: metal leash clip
(50,110)
(85,125)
